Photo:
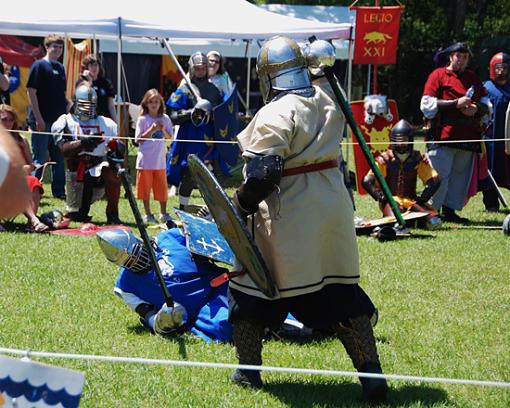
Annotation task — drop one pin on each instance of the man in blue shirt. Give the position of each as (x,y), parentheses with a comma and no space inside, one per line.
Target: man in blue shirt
(46,93)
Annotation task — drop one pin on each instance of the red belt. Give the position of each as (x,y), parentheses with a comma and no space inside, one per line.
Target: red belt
(308,168)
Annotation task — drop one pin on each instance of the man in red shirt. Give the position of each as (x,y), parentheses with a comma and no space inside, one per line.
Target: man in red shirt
(453,101)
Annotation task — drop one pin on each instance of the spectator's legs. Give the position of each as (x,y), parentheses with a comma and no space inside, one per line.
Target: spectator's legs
(460,177)
(441,158)
(39,143)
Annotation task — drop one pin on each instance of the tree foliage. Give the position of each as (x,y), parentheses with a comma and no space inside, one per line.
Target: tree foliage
(425,26)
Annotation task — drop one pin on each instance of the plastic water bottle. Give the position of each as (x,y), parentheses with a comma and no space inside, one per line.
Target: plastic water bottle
(470,92)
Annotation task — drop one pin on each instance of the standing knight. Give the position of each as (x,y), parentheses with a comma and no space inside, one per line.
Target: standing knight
(294,198)
(498,88)
(195,124)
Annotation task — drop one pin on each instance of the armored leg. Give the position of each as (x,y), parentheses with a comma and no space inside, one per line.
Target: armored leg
(247,336)
(112,185)
(358,339)
(86,198)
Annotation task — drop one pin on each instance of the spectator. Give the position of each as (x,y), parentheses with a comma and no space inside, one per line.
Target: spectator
(93,71)
(453,102)
(9,119)
(217,74)
(14,193)
(4,82)
(46,93)
(498,88)
(194,119)
(152,128)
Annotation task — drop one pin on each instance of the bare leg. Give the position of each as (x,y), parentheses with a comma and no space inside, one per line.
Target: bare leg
(147,206)
(162,206)
(31,212)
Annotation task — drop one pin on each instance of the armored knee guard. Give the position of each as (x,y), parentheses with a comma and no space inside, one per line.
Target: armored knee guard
(358,339)
(247,336)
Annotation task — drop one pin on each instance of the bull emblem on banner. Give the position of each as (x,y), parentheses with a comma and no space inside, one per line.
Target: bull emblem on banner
(376,38)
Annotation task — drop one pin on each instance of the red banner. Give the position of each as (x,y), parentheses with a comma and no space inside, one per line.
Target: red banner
(377,136)
(376,36)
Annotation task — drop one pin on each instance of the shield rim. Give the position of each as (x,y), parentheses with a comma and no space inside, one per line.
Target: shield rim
(261,276)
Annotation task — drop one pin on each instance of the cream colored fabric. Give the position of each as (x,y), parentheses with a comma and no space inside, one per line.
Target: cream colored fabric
(306,231)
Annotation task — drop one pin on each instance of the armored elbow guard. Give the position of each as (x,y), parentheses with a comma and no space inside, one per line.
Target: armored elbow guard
(263,174)
(431,187)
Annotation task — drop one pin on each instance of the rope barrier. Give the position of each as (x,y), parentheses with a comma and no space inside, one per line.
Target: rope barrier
(28,354)
(344,142)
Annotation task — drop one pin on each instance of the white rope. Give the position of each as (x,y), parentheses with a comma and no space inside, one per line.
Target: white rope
(235,142)
(29,354)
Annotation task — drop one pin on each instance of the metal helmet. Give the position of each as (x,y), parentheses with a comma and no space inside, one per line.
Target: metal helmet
(501,59)
(55,219)
(85,102)
(401,137)
(281,66)
(197,59)
(125,249)
(318,55)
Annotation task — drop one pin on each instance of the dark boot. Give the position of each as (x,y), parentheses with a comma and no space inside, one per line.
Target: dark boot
(490,200)
(247,336)
(113,218)
(449,215)
(359,342)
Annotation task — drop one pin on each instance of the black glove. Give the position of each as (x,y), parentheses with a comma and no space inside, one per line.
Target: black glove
(90,142)
(242,210)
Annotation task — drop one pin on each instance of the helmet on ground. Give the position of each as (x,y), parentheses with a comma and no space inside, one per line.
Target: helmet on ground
(499,60)
(318,55)
(401,137)
(198,59)
(55,219)
(281,67)
(125,249)
(85,102)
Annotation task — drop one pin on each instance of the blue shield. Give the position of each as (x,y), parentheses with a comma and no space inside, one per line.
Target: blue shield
(204,238)
(226,128)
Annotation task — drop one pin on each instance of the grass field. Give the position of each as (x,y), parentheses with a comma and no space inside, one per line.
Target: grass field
(443,297)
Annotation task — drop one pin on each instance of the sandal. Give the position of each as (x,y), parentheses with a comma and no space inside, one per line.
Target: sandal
(38,226)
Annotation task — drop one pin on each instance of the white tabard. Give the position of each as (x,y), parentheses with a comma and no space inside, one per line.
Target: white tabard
(305,230)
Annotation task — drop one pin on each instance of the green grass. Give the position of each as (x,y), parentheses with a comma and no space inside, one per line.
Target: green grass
(443,298)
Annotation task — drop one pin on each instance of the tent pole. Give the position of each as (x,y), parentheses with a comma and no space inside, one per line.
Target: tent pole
(119,72)
(349,85)
(248,76)
(164,42)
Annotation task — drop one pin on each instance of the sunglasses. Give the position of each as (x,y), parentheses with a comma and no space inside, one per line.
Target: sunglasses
(214,62)
(7,119)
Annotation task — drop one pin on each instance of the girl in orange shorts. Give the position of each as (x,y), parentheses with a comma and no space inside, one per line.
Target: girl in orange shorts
(152,128)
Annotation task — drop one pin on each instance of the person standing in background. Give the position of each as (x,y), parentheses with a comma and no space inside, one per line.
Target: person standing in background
(93,71)
(498,88)
(47,97)
(152,129)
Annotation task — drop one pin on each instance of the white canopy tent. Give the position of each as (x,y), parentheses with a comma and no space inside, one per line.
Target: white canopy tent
(174,20)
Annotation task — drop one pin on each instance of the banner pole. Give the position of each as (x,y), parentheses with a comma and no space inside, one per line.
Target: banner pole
(346,109)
